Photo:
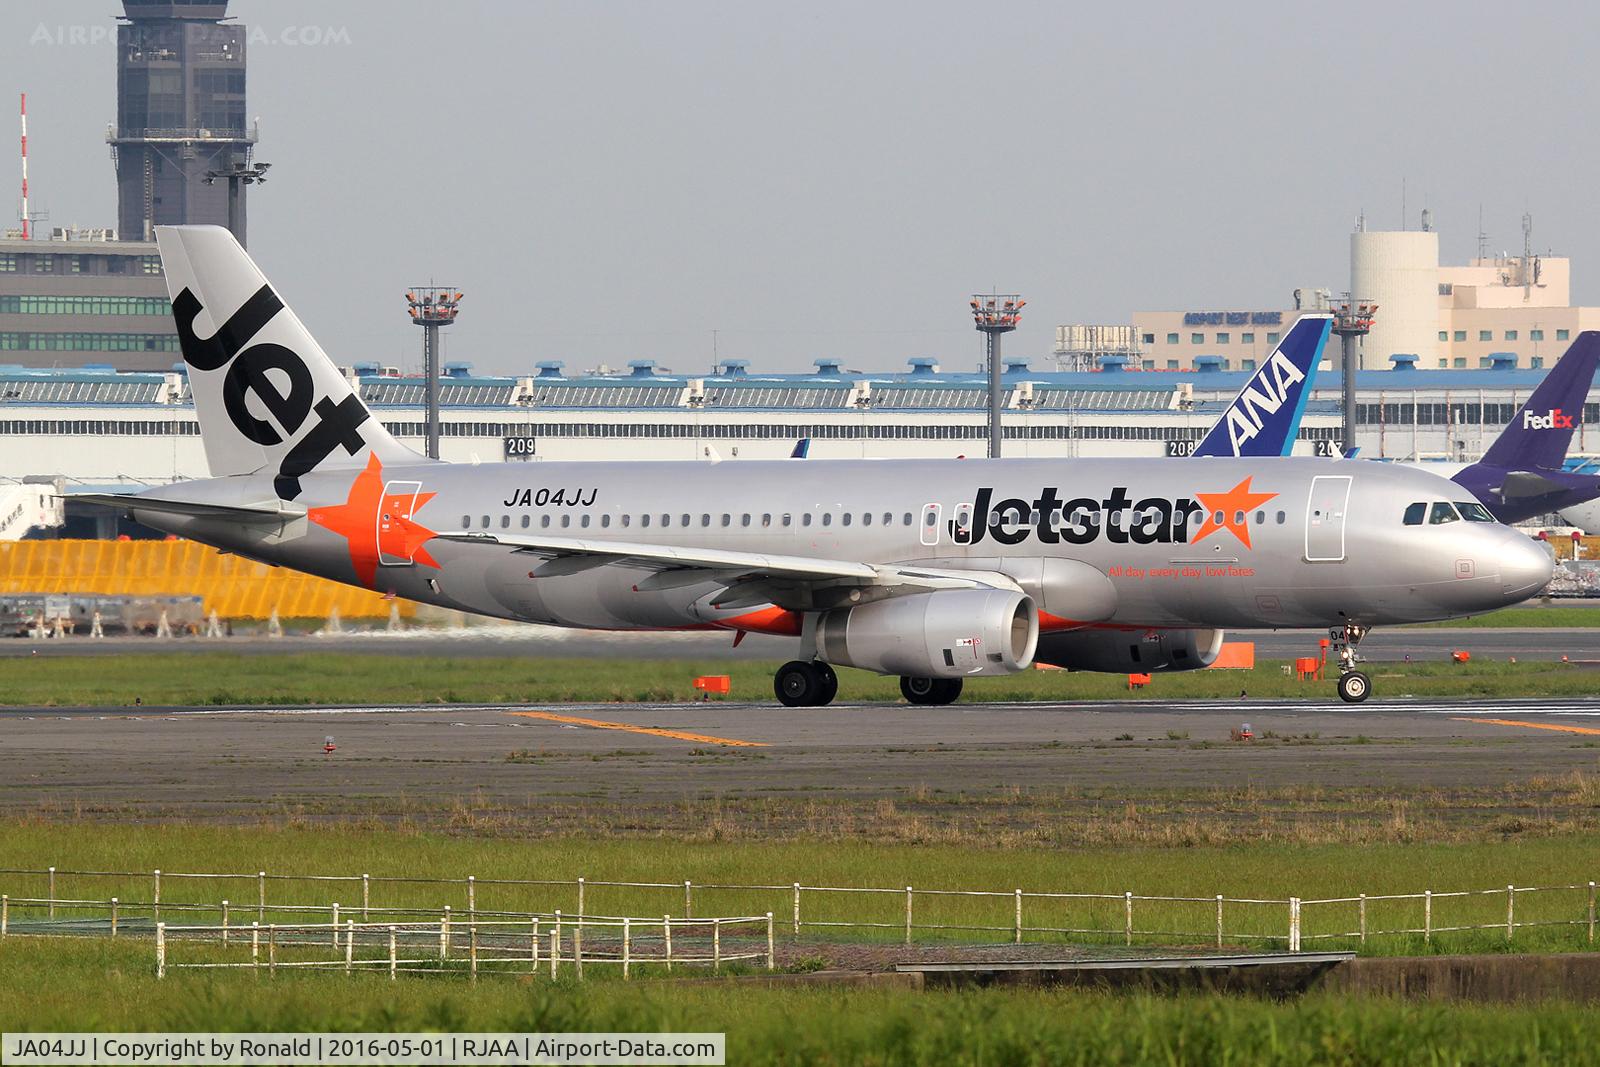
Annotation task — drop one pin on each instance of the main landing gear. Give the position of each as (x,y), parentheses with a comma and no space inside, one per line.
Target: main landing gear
(930,690)
(1354,686)
(805,685)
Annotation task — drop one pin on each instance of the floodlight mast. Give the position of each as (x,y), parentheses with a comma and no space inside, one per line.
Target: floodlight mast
(431,307)
(245,171)
(1352,320)
(994,314)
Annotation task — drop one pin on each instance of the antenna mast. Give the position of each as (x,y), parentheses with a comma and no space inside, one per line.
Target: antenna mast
(27,222)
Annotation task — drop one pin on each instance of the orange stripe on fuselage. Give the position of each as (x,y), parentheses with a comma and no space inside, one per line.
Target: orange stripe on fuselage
(656,731)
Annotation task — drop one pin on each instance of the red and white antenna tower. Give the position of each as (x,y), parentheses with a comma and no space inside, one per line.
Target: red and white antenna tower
(27,222)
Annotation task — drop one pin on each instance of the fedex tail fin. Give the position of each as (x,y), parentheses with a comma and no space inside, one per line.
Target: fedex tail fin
(1539,434)
(1264,418)
(267,396)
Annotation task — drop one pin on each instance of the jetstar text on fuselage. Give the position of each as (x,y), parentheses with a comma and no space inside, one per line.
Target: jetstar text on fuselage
(1078,521)
(1263,397)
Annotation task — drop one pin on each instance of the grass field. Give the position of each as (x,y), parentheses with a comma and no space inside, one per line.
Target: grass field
(1267,870)
(220,677)
(101,986)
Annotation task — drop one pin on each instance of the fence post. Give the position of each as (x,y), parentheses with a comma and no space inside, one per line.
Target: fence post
(627,945)
(688,899)
(5,912)
(472,949)
(1127,917)
(366,885)
(333,924)
(444,934)
(261,896)
(224,922)
(52,912)
(113,916)
(908,915)
(155,900)
(666,937)
(555,950)
(1591,913)
(797,909)
(1017,918)
(349,943)
(581,912)
(1294,924)
(1511,905)
(1219,920)
(577,948)
(255,944)
(272,948)
(534,955)
(1427,916)
(770,953)
(716,945)
(161,950)
(472,900)
(393,960)
(1361,914)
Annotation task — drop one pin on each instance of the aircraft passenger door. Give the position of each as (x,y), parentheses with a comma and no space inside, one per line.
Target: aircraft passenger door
(395,547)
(929,524)
(1325,518)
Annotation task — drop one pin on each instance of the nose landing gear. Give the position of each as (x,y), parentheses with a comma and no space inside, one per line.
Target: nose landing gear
(1354,686)
(805,685)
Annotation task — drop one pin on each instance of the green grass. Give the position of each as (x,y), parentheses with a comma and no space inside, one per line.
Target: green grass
(335,677)
(1263,870)
(101,986)
(1553,615)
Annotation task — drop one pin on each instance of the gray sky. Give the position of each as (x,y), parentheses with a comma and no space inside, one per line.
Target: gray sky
(609,181)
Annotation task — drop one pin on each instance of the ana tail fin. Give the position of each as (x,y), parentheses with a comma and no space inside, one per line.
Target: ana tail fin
(267,396)
(1264,418)
(1540,432)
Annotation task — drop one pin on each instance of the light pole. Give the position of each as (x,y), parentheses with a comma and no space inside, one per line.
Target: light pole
(1351,320)
(432,307)
(245,172)
(994,315)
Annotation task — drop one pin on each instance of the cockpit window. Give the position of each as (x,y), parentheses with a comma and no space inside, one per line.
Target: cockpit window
(1442,513)
(1475,512)
(1416,513)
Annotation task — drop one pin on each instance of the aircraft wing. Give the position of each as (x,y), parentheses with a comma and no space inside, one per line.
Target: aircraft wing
(749,578)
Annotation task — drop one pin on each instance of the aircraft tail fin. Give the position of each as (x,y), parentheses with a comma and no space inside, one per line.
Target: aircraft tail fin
(802,449)
(267,397)
(1540,432)
(1265,417)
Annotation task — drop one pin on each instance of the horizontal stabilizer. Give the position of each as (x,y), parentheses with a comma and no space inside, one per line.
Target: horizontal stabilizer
(194,509)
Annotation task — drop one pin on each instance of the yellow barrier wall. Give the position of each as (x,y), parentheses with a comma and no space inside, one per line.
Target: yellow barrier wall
(234,588)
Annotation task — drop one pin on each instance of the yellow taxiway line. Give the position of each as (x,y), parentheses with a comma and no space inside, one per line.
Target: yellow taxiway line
(1535,725)
(601,724)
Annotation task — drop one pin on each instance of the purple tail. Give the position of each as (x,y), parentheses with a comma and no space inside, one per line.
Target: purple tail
(1541,430)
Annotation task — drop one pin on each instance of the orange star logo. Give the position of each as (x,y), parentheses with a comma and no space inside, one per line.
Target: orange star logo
(378,525)
(1232,506)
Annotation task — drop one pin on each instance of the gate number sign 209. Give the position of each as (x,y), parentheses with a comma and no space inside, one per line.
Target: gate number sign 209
(519,447)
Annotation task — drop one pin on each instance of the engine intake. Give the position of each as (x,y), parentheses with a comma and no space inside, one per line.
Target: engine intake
(1119,651)
(951,633)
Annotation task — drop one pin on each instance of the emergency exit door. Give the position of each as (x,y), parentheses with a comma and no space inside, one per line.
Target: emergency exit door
(1325,518)
(395,546)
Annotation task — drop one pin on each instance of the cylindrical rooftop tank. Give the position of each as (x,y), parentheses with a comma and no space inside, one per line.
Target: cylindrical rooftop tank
(1399,271)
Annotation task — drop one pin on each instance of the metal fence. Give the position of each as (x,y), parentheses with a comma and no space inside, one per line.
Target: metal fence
(905,913)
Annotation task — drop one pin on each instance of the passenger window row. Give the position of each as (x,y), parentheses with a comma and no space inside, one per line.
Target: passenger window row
(685,521)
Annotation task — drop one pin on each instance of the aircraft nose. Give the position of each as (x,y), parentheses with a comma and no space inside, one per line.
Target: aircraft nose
(1525,566)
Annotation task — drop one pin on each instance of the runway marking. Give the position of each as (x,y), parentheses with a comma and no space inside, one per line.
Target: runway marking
(1536,725)
(601,724)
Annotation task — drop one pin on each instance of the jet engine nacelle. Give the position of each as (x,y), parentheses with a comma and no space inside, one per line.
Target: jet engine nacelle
(1130,651)
(950,633)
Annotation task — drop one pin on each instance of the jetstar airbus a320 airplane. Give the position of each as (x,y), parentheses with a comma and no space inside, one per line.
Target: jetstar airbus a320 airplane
(935,571)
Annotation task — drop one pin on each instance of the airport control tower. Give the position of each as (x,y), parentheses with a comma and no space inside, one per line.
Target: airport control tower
(180,115)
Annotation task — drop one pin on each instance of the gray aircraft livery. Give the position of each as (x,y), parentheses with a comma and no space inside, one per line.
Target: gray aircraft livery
(935,570)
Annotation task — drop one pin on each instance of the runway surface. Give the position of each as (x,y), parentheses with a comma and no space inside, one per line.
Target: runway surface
(236,763)
(1549,643)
